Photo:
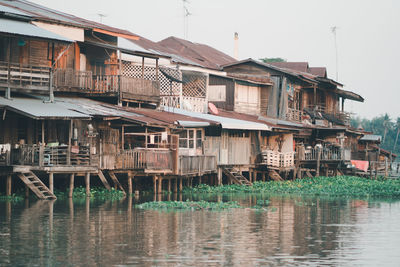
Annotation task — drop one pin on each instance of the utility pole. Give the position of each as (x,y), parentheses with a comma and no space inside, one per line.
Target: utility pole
(334,29)
(186,15)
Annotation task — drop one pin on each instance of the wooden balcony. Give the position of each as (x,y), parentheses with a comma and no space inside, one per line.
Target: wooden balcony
(148,160)
(294,115)
(47,156)
(323,153)
(127,88)
(197,165)
(26,77)
(342,116)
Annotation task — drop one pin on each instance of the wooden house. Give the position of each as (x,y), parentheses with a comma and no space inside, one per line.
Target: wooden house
(297,95)
(58,54)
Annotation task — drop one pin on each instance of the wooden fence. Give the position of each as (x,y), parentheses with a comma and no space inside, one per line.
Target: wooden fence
(24,76)
(146,159)
(197,164)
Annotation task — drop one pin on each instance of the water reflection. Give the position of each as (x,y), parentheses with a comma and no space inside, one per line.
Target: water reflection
(302,231)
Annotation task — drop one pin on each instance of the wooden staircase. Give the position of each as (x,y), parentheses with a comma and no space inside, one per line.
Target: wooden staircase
(116,181)
(274,175)
(234,175)
(36,185)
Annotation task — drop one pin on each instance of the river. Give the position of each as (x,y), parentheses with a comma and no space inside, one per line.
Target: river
(296,231)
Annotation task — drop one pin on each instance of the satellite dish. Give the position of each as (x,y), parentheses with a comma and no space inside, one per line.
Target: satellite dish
(213,109)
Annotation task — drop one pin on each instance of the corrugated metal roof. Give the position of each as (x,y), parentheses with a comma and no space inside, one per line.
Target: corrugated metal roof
(38,109)
(371,137)
(226,123)
(194,124)
(10,10)
(27,29)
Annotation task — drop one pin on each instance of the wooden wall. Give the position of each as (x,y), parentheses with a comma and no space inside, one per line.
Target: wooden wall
(228,104)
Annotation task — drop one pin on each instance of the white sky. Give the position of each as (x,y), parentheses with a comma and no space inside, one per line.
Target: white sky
(368,35)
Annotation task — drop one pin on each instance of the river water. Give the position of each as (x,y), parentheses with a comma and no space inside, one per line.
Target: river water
(295,232)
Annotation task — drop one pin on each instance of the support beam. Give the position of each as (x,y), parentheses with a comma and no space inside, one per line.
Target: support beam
(87,183)
(26,191)
(180,184)
(219,180)
(51,182)
(155,184)
(71,185)
(169,185)
(8,185)
(159,185)
(130,187)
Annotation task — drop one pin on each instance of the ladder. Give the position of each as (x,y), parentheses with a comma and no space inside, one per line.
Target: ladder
(116,181)
(274,175)
(234,175)
(36,185)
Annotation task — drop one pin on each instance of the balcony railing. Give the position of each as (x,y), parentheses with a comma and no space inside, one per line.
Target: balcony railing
(294,114)
(311,154)
(70,78)
(24,76)
(47,156)
(342,116)
(146,159)
(197,164)
(277,159)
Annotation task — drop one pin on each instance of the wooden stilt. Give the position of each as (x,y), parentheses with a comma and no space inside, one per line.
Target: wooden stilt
(8,185)
(130,187)
(180,184)
(155,184)
(318,162)
(51,182)
(219,178)
(71,185)
(326,171)
(169,185)
(200,180)
(26,191)
(159,185)
(87,183)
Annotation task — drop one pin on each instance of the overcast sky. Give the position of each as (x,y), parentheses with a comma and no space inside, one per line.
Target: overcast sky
(368,35)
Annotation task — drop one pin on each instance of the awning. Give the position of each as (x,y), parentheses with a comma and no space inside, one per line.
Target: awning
(226,123)
(349,95)
(38,109)
(27,29)
(193,124)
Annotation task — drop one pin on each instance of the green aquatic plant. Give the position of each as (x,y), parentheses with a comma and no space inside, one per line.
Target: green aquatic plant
(325,186)
(98,193)
(198,205)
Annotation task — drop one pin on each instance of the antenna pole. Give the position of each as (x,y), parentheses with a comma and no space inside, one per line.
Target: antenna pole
(334,28)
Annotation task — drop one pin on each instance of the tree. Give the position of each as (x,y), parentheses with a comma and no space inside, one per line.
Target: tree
(397,133)
(272,59)
(386,125)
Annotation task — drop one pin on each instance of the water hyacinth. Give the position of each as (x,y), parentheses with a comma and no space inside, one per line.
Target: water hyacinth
(188,205)
(329,186)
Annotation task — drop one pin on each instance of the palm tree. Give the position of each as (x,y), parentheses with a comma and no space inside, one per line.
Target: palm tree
(386,124)
(397,133)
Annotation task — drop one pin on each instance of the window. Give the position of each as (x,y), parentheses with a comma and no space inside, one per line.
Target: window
(190,138)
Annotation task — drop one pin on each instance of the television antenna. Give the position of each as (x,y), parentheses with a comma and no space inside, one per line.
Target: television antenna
(186,14)
(101,16)
(334,29)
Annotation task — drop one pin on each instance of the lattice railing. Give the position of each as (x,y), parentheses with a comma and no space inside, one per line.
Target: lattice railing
(277,159)
(294,114)
(170,101)
(196,104)
(194,85)
(130,69)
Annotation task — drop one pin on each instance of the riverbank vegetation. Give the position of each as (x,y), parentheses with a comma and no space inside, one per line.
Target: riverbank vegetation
(199,205)
(330,186)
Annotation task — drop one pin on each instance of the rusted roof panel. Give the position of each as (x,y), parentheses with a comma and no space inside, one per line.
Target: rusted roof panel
(201,54)
(298,66)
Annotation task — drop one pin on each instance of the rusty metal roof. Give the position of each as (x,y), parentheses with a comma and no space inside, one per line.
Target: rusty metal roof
(203,55)
(318,71)
(50,15)
(299,66)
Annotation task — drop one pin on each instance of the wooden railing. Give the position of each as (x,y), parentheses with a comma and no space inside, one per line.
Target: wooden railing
(294,114)
(277,159)
(340,115)
(197,164)
(105,84)
(24,76)
(140,86)
(311,154)
(195,104)
(5,150)
(37,155)
(70,78)
(146,159)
